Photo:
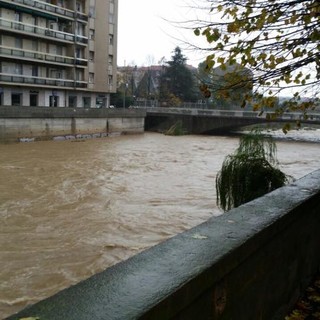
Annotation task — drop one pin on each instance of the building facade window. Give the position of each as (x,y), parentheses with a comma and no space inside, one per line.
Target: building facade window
(35,23)
(60,3)
(59,50)
(110,59)
(78,53)
(33,99)
(34,71)
(111,37)
(56,74)
(80,29)
(101,101)
(91,34)
(79,6)
(91,77)
(35,45)
(72,101)
(18,68)
(92,12)
(111,7)
(52,25)
(18,43)
(86,102)
(16,99)
(53,101)
(79,75)
(17,16)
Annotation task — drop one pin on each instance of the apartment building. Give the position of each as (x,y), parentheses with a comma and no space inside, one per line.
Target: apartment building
(58,53)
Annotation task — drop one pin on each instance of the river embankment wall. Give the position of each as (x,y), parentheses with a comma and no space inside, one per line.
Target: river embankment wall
(249,263)
(42,123)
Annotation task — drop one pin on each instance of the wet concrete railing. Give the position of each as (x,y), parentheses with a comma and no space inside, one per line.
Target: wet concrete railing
(18,112)
(249,263)
(213,121)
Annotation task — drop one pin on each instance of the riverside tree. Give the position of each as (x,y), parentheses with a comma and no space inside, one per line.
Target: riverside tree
(177,82)
(278,40)
(250,172)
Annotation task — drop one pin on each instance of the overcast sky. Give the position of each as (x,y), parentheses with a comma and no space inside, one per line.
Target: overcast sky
(144,37)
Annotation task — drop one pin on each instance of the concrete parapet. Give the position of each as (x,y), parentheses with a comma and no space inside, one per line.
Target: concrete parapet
(46,112)
(249,263)
(212,121)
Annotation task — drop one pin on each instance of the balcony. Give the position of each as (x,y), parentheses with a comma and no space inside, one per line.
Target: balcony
(14,53)
(40,81)
(44,9)
(15,26)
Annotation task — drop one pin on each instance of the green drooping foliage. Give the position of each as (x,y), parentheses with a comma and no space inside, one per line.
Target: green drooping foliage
(249,173)
(278,40)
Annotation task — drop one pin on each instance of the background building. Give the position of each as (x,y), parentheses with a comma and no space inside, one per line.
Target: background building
(58,53)
(142,85)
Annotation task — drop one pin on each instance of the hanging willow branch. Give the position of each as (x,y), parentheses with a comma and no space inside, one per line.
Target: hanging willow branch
(257,145)
(249,173)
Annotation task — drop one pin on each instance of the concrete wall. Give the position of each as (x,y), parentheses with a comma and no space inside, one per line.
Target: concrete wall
(208,121)
(198,124)
(250,263)
(45,123)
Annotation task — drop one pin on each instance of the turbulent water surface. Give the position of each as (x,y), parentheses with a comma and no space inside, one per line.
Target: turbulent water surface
(71,209)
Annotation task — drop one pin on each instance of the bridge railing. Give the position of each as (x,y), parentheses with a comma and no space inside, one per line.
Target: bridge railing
(287,116)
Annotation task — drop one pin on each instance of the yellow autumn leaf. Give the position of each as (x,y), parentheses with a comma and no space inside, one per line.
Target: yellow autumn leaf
(233,28)
(220,8)
(256,107)
(315,298)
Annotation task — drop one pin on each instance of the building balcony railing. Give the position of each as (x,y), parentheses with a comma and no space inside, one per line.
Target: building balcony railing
(16,26)
(40,81)
(40,56)
(48,8)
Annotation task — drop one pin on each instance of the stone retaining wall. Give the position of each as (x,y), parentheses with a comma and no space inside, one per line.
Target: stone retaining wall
(40,123)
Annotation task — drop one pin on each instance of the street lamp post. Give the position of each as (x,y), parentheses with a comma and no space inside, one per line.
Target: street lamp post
(124,95)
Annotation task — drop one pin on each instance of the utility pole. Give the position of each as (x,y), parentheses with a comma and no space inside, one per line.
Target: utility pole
(124,95)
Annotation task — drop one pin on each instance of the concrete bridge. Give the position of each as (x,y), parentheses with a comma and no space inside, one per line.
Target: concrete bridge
(205,121)
(41,123)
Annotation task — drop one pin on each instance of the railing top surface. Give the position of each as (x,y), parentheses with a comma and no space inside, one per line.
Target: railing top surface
(67,112)
(312,116)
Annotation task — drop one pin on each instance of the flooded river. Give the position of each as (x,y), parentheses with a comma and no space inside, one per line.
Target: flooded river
(71,209)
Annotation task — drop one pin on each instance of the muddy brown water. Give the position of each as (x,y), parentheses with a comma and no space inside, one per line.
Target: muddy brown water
(71,209)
